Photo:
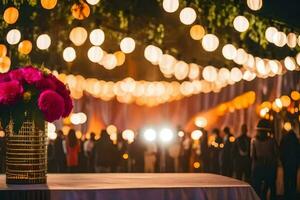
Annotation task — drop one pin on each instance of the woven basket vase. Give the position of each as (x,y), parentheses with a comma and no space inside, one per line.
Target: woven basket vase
(26,154)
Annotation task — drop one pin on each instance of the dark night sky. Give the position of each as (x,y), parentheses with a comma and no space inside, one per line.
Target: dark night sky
(287,11)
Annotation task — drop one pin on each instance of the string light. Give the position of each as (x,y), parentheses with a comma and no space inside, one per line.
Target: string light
(13,36)
(255,4)
(78,36)
(153,53)
(3,50)
(95,54)
(25,47)
(197,32)
(97,37)
(43,42)
(127,45)
(69,54)
(170,6)
(229,51)
(11,15)
(240,23)
(187,15)
(92,2)
(210,42)
(210,73)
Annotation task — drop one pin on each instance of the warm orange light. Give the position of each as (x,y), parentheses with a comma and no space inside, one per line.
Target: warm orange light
(80,10)
(125,156)
(25,47)
(48,4)
(285,100)
(196,165)
(11,15)
(3,50)
(295,95)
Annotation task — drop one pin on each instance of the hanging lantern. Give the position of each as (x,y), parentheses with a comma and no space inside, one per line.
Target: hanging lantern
(97,37)
(241,56)
(194,71)
(240,23)
(127,45)
(43,42)
(248,76)
(223,75)
(13,36)
(260,66)
(210,73)
(78,36)
(170,6)
(95,54)
(120,56)
(69,54)
(272,64)
(80,10)
(187,15)
(48,4)
(197,32)
(109,61)
(235,74)
(289,63)
(279,39)
(92,2)
(4,64)
(25,47)
(270,33)
(254,4)
(292,40)
(11,15)
(3,50)
(229,51)
(181,70)
(153,53)
(250,62)
(166,64)
(210,42)
(297,58)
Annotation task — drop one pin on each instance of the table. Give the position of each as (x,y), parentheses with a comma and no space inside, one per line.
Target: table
(131,187)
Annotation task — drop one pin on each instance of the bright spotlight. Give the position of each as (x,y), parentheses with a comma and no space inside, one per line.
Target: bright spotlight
(166,135)
(150,135)
(196,134)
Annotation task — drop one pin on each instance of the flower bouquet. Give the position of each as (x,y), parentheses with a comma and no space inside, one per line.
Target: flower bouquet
(28,98)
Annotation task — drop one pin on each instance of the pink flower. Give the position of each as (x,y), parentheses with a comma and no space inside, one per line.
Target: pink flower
(68,106)
(45,83)
(10,92)
(16,74)
(60,87)
(31,74)
(4,77)
(51,104)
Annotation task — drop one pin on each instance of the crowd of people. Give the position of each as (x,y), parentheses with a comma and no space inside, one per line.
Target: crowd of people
(253,160)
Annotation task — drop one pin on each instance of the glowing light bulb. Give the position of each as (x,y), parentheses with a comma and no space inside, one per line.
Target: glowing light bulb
(69,54)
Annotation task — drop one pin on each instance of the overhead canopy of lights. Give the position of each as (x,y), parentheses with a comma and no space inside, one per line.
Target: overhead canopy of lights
(188,77)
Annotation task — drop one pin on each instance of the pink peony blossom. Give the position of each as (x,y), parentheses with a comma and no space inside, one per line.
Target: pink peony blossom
(10,92)
(31,75)
(16,74)
(68,106)
(45,83)
(60,87)
(4,77)
(51,104)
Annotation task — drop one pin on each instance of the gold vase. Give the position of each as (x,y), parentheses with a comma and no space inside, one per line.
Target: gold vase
(26,154)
